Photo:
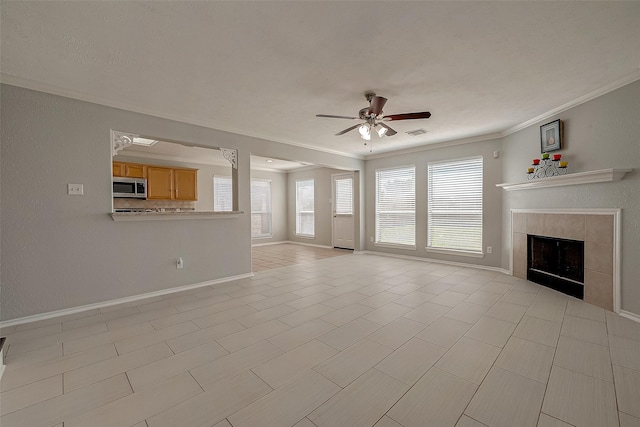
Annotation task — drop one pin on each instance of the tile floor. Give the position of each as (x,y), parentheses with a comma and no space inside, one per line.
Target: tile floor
(267,257)
(353,340)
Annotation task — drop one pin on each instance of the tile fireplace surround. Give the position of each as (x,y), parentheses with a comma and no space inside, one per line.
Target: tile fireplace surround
(597,228)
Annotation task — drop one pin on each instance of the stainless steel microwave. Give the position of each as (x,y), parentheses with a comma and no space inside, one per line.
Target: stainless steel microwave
(132,188)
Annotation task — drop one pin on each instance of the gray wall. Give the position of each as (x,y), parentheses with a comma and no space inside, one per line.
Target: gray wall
(61,251)
(599,134)
(492,201)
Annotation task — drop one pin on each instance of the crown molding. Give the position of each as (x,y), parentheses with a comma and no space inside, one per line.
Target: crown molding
(67,93)
(628,79)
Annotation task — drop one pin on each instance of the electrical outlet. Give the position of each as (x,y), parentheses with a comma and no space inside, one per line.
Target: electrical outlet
(489,250)
(75,189)
(180,263)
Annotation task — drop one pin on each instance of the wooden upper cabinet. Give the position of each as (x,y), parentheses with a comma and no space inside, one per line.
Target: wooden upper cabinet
(163,183)
(185,184)
(159,183)
(131,170)
(118,169)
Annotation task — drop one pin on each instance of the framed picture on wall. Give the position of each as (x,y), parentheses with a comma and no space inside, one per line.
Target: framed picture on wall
(551,136)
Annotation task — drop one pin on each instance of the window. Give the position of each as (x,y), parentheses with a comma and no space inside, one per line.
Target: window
(455,205)
(344,196)
(222,194)
(396,206)
(305,225)
(260,208)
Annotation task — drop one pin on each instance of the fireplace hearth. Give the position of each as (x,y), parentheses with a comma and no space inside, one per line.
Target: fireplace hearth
(556,263)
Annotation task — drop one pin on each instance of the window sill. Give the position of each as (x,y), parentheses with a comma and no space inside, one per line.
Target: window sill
(395,246)
(456,252)
(154,216)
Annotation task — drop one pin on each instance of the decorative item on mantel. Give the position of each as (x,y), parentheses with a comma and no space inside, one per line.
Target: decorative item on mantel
(551,136)
(546,167)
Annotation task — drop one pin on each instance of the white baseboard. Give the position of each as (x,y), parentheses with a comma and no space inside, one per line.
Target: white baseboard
(630,315)
(438,261)
(109,303)
(309,244)
(279,242)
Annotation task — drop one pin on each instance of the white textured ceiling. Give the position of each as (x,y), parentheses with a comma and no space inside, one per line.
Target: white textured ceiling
(266,68)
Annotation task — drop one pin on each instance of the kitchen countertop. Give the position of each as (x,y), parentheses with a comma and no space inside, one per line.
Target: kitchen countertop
(145,216)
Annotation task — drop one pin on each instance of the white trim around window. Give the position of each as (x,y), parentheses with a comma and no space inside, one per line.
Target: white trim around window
(395,207)
(455,207)
(261,208)
(305,208)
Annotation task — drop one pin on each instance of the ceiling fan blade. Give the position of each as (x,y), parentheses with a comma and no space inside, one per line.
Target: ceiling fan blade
(348,129)
(337,117)
(377,102)
(408,116)
(390,132)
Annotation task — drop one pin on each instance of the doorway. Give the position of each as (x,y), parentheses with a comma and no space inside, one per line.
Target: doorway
(342,211)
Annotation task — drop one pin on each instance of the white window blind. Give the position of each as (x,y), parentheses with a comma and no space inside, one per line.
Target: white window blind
(305,225)
(222,194)
(396,206)
(455,205)
(260,208)
(344,196)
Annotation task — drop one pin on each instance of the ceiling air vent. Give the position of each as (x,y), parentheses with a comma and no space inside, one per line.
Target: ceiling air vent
(416,132)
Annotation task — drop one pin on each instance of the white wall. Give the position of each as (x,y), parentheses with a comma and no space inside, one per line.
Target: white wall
(492,199)
(599,134)
(60,251)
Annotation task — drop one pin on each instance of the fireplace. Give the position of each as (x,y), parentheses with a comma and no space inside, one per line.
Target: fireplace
(599,230)
(556,263)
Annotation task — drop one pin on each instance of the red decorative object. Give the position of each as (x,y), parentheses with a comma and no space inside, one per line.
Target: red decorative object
(536,161)
(557,156)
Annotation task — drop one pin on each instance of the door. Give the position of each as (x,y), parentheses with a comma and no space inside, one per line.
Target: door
(342,196)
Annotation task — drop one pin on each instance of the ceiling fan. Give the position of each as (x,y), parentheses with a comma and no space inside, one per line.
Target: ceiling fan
(374,119)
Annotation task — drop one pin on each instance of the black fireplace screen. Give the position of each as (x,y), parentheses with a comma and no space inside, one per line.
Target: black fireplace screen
(557,263)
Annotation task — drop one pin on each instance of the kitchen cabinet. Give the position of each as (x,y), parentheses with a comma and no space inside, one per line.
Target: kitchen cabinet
(118,169)
(131,170)
(185,184)
(159,183)
(164,183)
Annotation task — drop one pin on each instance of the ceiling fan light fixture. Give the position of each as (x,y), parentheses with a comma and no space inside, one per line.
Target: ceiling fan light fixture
(365,132)
(382,131)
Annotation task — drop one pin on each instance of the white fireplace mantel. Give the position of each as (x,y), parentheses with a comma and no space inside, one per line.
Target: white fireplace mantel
(590,177)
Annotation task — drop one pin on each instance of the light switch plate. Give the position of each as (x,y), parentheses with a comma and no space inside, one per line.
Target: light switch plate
(75,189)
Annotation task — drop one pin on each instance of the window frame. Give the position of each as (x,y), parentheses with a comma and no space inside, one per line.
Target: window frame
(269,212)
(298,211)
(230,179)
(452,250)
(377,241)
